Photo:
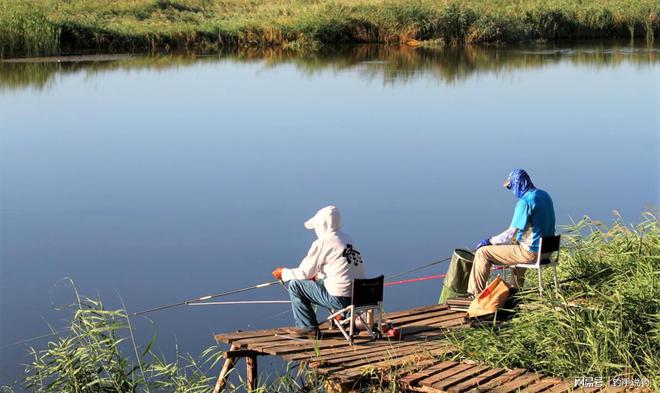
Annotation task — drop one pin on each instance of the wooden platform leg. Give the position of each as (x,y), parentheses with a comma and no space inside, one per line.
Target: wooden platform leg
(252,372)
(226,368)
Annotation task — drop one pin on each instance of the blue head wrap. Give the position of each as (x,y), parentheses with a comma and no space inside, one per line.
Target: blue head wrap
(520,182)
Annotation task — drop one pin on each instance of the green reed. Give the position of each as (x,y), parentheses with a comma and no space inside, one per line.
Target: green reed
(98,352)
(606,324)
(47,26)
(25,29)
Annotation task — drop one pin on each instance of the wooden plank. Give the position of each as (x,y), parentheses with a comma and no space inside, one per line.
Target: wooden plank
(367,353)
(347,365)
(433,321)
(357,349)
(403,313)
(438,332)
(310,345)
(455,379)
(390,354)
(228,337)
(517,383)
(459,368)
(436,318)
(262,334)
(397,374)
(241,353)
(337,350)
(413,379)
(541,385)
(355,372)
(414,329)
(423,316)
(561,387)
(274,339)
(502,379)
(380,357)
(614,389)
(477,381)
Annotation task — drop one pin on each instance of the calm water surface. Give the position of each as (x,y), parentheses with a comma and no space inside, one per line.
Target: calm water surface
(163,178)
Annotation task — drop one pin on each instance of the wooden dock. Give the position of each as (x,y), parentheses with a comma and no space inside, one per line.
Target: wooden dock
(411,362)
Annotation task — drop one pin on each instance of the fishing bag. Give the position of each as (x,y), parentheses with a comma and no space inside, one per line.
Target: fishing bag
(456,281)
(493,297)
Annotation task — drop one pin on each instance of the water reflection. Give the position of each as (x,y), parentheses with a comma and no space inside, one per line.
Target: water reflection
(388,64)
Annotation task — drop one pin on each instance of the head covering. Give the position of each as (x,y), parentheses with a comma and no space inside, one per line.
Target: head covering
(519,182)
(325,221)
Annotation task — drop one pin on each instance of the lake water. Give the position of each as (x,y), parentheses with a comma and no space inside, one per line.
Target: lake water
(160,178)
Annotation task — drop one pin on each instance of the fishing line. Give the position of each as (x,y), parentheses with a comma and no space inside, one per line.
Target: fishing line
(182,303)
(241,302)
(27,340)
(203,298)
(403,273)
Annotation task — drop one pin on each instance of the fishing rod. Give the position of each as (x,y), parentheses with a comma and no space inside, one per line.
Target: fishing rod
(240,302)
(203,298)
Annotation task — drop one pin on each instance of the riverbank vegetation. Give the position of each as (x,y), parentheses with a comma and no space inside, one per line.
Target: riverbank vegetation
(605,324)
(37,27)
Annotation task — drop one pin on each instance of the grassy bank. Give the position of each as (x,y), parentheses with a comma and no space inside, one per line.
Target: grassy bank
(605,326)
(49,26)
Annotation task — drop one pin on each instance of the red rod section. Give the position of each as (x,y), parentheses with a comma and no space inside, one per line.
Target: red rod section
(415,280)
(426,278)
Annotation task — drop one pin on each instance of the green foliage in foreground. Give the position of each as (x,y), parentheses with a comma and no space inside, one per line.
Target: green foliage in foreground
(47,26)
(606,325)
(98,353)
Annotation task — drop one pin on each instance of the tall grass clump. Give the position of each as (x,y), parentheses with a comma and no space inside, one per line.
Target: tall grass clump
(606,323)
(25,29)
(98,352)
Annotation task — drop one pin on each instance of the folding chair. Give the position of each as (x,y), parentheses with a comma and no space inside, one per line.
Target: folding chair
(367,296)
(547,246)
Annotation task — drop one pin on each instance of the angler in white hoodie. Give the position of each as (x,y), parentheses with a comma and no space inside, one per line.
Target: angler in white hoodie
(325,276)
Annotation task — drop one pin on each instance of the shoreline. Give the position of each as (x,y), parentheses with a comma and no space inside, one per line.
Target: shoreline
(166,25)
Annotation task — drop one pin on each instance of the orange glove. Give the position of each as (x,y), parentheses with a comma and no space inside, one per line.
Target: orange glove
(277,273)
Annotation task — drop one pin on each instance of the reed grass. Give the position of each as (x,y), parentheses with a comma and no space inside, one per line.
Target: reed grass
(98,353)
(46,26)
(606,325)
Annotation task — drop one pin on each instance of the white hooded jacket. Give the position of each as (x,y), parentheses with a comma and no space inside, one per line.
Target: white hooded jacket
(331,256)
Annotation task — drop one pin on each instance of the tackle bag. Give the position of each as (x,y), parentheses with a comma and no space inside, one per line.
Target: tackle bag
(493,297)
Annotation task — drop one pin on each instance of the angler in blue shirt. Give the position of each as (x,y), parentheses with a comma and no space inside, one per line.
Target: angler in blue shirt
(533,218)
